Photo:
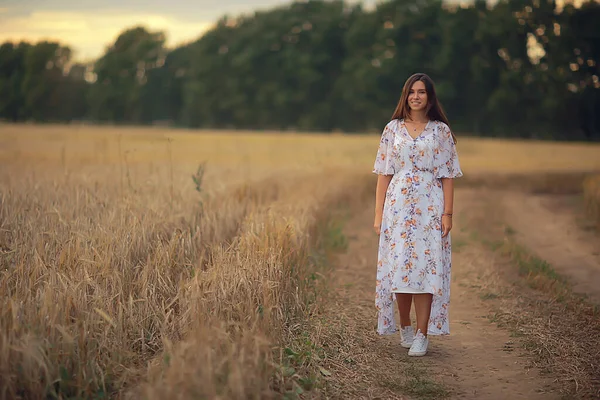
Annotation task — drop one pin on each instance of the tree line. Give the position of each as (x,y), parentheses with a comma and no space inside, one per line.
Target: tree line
(519,68)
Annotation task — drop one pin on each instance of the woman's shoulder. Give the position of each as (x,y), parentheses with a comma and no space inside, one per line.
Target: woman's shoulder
(393,124)
(442,125)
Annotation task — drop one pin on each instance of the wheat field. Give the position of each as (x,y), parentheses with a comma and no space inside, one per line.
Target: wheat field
(158,263)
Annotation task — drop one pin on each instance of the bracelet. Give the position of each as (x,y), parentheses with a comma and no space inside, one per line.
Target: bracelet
(449,214)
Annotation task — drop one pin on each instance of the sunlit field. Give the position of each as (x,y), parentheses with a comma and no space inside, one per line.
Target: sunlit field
(159,263)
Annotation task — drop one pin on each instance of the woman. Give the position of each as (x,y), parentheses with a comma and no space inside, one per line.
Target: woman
(416,163)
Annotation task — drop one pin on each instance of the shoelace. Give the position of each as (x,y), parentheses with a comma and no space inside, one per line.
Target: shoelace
(419,341)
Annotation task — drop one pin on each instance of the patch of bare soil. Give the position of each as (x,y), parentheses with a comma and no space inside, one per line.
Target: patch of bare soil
(551,227)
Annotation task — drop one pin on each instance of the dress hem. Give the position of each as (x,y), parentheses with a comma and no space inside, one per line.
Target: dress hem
(429,333)
(409,290)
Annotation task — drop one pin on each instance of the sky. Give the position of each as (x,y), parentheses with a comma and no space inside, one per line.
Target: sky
(89,26)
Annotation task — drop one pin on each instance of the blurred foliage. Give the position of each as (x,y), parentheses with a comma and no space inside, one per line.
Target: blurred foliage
(520,68)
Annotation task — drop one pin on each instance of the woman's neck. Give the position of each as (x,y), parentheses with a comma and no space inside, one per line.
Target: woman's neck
(418,116)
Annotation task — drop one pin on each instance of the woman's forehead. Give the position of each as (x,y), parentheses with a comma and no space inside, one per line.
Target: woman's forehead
(418,85)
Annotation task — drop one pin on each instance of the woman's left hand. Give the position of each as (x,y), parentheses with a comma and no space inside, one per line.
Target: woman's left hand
(446,225)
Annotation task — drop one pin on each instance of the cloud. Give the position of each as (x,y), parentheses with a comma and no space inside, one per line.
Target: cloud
(89,33)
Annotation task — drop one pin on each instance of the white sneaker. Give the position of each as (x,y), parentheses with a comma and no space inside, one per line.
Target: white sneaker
(407,335)
(419,346)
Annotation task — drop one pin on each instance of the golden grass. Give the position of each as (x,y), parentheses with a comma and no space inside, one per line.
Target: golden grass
(245,155)
(112,264)
(481,156)
(118,277)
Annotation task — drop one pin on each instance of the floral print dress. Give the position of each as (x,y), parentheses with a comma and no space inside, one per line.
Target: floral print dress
(413,257)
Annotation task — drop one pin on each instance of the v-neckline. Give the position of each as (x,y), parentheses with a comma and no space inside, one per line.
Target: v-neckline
(420,133)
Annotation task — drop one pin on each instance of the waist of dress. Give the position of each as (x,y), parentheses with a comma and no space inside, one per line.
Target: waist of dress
(409,178)
(414,171)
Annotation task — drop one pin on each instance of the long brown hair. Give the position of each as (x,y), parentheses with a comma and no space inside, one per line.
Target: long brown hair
(434,112)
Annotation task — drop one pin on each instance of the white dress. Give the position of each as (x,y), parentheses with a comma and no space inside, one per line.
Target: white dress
(413,257)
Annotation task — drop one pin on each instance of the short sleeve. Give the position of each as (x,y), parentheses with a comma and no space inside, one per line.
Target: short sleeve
(384,162)
(446,163)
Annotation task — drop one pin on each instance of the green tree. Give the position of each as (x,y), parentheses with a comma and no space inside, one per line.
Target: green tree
(521,68)
(44,68)
(12,72)
(121,74)
(273,69)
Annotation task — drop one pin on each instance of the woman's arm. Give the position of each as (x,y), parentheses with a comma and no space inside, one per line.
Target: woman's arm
(448,189)
(383,181)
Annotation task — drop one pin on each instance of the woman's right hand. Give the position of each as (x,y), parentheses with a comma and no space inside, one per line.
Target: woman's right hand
(383,182)
(377,224)
(377,228)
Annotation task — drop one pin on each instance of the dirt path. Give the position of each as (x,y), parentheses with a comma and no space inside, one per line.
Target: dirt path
(548,227)
(477,361)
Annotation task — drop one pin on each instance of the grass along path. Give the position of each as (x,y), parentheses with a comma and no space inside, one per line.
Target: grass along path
(548,228)
(478,360)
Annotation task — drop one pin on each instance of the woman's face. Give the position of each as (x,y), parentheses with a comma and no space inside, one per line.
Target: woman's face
(417,96)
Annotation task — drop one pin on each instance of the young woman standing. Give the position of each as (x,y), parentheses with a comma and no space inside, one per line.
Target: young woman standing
(416,163)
